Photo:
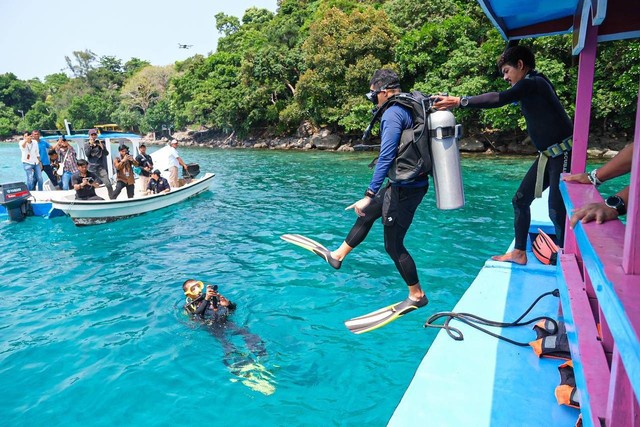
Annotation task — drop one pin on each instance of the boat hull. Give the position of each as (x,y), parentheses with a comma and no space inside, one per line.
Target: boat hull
(93,212)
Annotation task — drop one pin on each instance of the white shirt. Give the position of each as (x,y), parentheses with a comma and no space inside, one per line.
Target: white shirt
(30,152)
(173,157)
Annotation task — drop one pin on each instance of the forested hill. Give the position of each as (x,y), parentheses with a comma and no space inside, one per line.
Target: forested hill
(309,63)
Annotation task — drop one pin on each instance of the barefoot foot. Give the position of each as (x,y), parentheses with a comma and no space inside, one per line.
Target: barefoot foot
(516,256)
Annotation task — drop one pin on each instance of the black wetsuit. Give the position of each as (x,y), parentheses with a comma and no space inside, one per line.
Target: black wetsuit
(395,203)
(209,311)
(547,124)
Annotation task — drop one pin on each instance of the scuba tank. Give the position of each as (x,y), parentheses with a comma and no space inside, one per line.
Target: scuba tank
(445,156)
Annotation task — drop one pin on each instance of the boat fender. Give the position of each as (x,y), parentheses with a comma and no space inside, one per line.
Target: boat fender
(545,249)
(567,393)
(445,157)
(552,341)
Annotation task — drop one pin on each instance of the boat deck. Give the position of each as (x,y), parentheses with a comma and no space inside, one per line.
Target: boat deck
(492,382)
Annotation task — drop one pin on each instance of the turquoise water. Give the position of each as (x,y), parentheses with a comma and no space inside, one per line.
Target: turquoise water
(91,326)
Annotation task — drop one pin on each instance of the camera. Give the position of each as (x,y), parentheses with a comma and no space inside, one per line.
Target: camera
(89,179)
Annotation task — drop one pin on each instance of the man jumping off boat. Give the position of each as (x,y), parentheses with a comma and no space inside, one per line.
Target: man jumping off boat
(550,129)
(396,203)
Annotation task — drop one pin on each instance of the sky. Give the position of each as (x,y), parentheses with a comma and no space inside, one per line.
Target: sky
(37,34)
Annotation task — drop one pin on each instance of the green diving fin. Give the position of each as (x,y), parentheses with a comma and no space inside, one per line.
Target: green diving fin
(384,316)
(313,246)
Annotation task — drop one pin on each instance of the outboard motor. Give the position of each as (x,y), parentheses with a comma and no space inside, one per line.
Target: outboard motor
(445,157)
(14,198)
(193,169)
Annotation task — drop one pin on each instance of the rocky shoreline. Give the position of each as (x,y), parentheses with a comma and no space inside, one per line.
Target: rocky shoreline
(599,147)
(324,139)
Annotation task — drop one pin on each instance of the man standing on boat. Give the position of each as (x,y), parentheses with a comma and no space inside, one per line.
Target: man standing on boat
(550,129)
(30,159)
(124,172)
(68,159)
(174,161)
(97,155)
(146,166)
(43,148)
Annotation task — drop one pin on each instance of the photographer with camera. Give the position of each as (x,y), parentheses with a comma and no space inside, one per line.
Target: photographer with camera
(146,166)
(97,155)
(213,309)
(85,182)
(124,172)
(210,306)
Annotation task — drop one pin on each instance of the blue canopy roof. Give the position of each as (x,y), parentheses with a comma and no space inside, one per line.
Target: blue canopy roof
(516,19)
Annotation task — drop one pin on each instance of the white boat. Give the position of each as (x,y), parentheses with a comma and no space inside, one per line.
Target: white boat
(52,203)
(90,212)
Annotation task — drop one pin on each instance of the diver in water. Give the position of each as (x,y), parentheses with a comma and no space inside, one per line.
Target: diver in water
(213,309)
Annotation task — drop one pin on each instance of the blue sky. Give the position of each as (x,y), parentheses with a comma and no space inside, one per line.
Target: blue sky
(37,34)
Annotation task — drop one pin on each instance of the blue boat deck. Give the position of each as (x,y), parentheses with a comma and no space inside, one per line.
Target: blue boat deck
(483,381)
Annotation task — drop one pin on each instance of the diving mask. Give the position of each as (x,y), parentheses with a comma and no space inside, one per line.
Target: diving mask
(195,289)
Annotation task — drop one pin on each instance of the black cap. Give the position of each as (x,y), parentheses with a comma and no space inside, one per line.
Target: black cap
(156,172)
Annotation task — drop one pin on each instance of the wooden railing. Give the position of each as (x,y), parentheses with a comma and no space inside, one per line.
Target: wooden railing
(601,307)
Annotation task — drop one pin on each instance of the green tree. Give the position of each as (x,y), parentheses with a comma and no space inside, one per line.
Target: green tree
(88,110)
(146,87)
(134,65)
(157,116)
(16,94)
(340,54)
(81,63)
(8,121)
(41,116)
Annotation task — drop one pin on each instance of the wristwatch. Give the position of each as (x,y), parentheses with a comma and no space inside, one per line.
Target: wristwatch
(616,203)
(464,101)
(369,193)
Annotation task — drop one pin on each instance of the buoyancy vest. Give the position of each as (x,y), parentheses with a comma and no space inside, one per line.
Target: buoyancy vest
(566,392)
(413,159)
(552,341)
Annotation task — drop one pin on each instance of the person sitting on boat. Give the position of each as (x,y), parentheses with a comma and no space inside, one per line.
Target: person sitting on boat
(550,129)
(124,164)
(174,161)
(209,306)
(157,184)
(146,166)
(85,182)
(614,206)
(69,161)
(97,155)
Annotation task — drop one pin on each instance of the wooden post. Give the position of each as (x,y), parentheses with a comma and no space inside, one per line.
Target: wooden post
(631,254)
(586,70)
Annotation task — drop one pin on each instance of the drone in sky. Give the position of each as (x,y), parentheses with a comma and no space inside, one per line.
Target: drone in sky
(184,46)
